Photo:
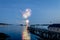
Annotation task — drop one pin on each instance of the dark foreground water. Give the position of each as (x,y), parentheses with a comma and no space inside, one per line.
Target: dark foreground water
(14,31)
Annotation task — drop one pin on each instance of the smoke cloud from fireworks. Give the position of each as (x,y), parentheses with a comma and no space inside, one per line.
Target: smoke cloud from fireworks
(27,13)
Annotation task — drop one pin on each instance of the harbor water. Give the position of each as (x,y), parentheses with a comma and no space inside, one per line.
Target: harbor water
(15,32)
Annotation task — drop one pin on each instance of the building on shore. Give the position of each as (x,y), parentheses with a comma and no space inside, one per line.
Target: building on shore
(54,27)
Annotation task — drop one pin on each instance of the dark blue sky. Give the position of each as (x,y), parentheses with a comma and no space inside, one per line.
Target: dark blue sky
(43,11)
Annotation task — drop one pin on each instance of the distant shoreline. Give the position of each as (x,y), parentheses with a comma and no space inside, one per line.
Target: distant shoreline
(4,24)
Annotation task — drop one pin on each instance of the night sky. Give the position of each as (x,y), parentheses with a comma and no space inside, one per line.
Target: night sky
(43,11)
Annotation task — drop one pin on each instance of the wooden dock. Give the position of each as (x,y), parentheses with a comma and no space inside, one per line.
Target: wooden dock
(44,34)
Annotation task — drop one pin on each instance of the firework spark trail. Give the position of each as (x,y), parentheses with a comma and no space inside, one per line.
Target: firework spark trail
(27,13)
(25,34)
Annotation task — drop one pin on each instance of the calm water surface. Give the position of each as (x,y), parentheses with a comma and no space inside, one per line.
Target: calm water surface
(15,32)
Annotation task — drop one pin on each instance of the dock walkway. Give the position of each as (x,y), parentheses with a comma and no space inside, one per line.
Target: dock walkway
(44,34)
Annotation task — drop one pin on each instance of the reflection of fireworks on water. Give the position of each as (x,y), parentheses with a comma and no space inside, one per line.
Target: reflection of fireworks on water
(25,34)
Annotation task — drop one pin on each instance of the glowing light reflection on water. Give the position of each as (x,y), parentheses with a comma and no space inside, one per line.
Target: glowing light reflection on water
(15,32)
